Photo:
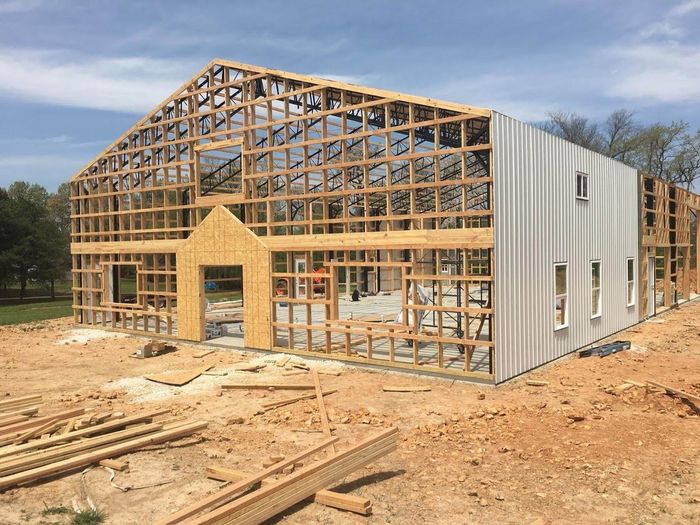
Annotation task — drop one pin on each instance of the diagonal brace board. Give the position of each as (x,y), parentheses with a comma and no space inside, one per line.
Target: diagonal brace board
(272,499)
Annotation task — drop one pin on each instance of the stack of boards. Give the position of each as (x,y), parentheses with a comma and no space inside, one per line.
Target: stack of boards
(34,446)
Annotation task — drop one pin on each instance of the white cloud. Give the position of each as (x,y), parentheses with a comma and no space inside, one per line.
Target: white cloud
(131,84)
(685,8)
(655,72)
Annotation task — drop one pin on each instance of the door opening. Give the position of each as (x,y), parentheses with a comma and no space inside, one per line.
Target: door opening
(224,311)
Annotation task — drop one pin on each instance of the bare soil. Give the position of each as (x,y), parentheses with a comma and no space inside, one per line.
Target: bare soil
(581,449)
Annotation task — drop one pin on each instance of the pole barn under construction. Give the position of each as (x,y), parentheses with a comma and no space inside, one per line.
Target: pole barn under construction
(269,210)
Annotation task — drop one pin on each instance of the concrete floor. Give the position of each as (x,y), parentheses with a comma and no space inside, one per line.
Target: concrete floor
(385,307)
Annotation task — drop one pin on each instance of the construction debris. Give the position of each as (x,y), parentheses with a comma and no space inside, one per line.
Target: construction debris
(679,393)
(535,382)
(606,349)
(41,446)
(203,354)
(406,388)
(277,404)
(247,367)
(177,378)
(328,498)
(264,386)
(150,349)
(272,498)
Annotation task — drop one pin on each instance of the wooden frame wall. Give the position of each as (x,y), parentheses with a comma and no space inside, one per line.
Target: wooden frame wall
(320,160)
(665,233)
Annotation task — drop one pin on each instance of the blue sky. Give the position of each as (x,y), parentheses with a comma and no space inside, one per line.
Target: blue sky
(75,74)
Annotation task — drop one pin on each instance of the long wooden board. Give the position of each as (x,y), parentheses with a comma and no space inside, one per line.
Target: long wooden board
(224,495)
(329,498)
(262,504)
(95,456)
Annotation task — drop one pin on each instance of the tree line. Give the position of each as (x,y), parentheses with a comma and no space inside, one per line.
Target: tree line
(668,151)
(34,235)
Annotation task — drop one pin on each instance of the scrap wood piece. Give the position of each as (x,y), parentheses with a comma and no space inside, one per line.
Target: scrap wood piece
(329,498)
(18,428)
(35,431)
(536,382)
(270,500)
(386,388)
(680,393)
(75,434)
(247,367)
(635,383)
(177,378)
(19,402)
(94,456)
(227,493)
(325,425)
(295,373)
(11,420)
(282,361)
(39,458)
(25,411)
(266,386)
(114,464)
(275,404)
(203,353)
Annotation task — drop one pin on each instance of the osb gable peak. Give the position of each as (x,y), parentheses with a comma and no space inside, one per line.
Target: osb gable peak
(220,218)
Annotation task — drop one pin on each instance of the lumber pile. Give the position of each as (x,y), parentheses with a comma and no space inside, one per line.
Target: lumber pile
(44,446)
(233,505)
(285,481)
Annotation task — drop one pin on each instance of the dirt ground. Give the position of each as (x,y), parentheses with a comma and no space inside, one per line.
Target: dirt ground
(578,450)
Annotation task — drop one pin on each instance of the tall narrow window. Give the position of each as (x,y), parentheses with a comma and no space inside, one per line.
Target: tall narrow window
(630,281)
(581,185)
(596,305)
(561,295)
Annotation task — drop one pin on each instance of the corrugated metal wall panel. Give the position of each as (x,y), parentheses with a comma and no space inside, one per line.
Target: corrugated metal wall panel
(539,221)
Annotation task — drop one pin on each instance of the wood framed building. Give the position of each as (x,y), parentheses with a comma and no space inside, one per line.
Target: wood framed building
(288,193)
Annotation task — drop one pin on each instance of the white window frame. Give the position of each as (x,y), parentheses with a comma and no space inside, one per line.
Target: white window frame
(584,194)
(632,282)
(599,311)
(557,327)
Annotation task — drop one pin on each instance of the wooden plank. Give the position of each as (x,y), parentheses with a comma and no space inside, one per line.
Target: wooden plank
(11,465)
(329,498)
(14,402)
(386,388)
(247,367)
(83,432)
(229,492)
(203,354)
(262,504)
(11,420)
(266,386)
(114,464)
(95,456)
(535,382)
(680,393)
(325,424)
(276,404)
(177,378)
(18,428)
(35,431)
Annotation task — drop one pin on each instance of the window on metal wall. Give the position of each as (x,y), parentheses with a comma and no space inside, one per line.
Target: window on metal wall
(561,295)
(630,281)
(596,303)
(581,185)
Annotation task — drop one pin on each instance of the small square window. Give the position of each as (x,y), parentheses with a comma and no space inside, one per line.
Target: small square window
(581,185)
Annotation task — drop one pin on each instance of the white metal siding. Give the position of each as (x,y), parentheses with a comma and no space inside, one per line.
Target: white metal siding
(539,221)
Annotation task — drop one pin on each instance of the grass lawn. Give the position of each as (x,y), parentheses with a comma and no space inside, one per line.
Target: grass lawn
(25,313)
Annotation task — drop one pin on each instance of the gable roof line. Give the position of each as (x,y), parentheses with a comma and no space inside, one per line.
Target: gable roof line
(382,93)
(425,101)
(143,119)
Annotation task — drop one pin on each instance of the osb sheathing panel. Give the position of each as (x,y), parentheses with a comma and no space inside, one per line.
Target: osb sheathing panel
(222,240)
